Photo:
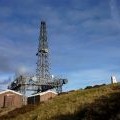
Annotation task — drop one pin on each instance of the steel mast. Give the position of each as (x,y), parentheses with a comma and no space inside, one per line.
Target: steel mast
(43,69)
(44,81)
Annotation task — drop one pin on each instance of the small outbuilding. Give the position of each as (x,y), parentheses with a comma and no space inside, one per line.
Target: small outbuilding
(41,97)
(113,80)
(10,98)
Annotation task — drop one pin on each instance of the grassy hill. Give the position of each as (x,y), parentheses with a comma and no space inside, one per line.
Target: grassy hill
(101,103)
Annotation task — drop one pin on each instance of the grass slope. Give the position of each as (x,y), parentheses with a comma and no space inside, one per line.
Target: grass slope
(92,104)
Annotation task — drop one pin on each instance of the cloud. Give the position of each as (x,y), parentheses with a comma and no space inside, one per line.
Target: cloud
(24,70)
(83,38)
(12,55)
(5,82)
(4,64)
(114,12)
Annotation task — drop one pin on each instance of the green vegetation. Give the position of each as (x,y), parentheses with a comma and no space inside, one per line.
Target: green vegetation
(101,103)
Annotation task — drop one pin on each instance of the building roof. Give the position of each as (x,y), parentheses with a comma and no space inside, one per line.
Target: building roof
(42,93)
(10,91)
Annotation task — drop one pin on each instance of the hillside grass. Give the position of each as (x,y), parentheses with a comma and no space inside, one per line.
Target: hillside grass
(101,103)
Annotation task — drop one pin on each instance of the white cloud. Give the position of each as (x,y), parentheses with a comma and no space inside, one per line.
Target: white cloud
(114,12)
(80,38)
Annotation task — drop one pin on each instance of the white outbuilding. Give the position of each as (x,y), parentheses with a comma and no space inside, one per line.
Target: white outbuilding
(113,80)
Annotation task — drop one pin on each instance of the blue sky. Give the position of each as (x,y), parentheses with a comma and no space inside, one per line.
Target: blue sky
(83,35)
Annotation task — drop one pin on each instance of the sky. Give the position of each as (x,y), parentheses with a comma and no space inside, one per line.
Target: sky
(83,36)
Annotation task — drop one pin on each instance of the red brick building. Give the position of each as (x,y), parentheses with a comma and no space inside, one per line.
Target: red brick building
(41,97)
(10,98)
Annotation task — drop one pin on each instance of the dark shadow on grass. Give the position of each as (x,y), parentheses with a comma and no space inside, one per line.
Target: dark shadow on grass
(14,113)
(104,108)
